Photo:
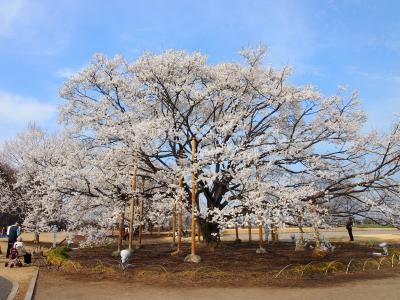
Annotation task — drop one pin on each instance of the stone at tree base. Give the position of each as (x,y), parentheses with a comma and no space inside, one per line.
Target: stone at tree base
(115,253)
(139,246)
(177,253)
(319,253)
(192,258)
(212,246)
(238,241)
(261,251)
(300,247)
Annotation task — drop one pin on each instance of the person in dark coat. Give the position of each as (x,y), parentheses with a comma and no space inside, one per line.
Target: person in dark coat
(13,232)
(349,227)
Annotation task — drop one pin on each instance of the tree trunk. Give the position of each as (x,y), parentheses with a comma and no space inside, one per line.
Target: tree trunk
(249,229)
(141,214)
(210,231)
(174,224)
(120,231)
(260,236)
(315,225)
(132,208)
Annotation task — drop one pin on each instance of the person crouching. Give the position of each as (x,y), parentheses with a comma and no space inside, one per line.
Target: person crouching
(19,245)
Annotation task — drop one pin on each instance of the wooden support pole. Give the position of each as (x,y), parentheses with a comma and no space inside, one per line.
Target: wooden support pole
(174,224)
(315,225)
(249,230)
(141,213)
(120,231)
(132,208)
(180,229)
(261,248)
(260,236)
(199,231)
(192,257)
(237,240)
(300,225)
(194,192)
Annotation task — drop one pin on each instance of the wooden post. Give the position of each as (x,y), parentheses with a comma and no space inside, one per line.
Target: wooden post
(180,219)
(260,236)
(141,213)
(174,224)
(273,234)
(300,245)
(315,225)
(194,192)
(300,222)
(199,231)
(193,257)
(249,230)
(120,231)
(132,208)
(237,240)
(261,248)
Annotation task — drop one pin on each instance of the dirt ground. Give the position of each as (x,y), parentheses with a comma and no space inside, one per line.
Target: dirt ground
(49,288)
(22,275)
(231,270)
(229,265)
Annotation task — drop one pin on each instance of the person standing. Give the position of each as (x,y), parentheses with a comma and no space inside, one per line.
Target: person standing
(266,233)
(126,233)
(349,227)
(13,232)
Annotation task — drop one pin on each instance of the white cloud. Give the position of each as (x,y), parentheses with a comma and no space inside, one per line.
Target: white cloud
(16,110)
(66,72)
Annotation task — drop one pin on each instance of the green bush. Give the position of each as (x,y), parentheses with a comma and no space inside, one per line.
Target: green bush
(58,254)
(59,257)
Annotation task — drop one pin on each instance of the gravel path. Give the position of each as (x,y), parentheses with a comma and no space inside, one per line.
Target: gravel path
(50,287)
(5,288)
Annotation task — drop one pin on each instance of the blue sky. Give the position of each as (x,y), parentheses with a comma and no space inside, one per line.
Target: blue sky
(329,43)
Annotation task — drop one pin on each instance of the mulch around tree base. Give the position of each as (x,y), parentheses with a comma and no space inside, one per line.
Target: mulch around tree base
(232,265)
